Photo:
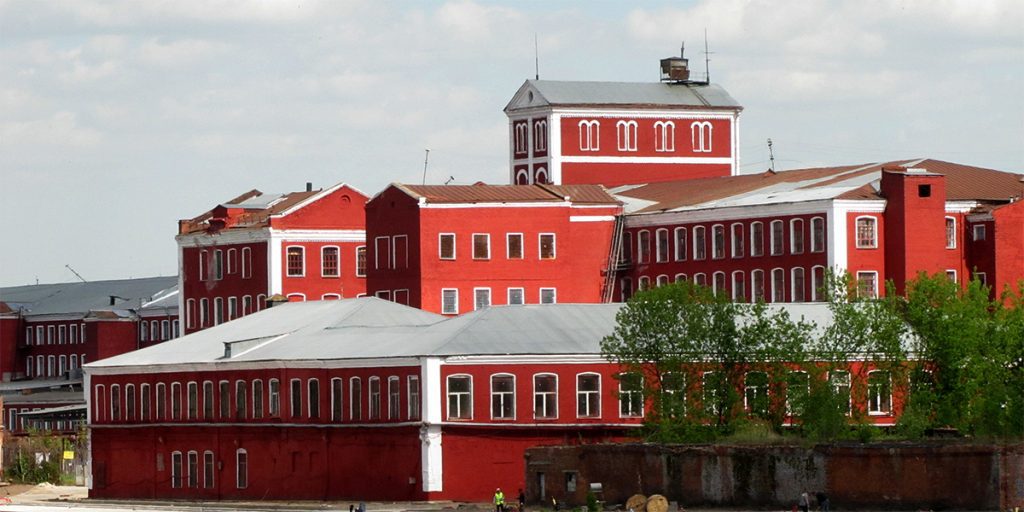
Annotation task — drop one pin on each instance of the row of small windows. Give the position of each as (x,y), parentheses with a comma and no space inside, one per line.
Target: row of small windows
(481,250)
(664,136)
(674,246)
(55,334)
(52,366)
(205,317)
(482,298)
(249,400)
(735,284)
(16,422)
(330,261)
(540,136)
(212,263)
(158,330)
(185,469)
(756,389)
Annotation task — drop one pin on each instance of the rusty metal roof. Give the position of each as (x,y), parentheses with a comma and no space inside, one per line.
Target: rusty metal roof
(483,193)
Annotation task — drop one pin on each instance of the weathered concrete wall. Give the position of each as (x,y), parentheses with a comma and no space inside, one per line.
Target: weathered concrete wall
(929,476)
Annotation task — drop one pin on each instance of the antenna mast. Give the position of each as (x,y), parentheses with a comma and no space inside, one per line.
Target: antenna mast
(707,58)
(771,156)
(73,272)
(426,156)
(536,58)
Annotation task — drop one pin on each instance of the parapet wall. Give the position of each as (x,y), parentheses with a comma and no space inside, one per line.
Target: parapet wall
(897,475)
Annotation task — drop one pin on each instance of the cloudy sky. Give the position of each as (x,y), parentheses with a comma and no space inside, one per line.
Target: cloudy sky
(119,118)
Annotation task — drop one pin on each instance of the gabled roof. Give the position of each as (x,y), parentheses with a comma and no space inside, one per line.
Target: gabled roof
(550,93)
(371,328)
(93,296)
(854,182)
(482,193)
(257,209)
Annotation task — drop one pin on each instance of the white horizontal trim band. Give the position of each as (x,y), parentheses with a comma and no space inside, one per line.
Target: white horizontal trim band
(591,218)
(646,160)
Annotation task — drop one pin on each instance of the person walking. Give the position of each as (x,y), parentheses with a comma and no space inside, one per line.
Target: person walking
(805,502)
(499,501)
(522,500)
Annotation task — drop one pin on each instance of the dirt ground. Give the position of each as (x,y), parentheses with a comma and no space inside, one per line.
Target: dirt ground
(14,489)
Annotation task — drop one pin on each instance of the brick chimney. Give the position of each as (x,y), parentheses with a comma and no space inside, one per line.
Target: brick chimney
(915,225)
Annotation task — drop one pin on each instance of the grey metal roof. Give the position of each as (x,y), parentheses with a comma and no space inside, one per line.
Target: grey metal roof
(560,93)
(371,328)
(80,298)
(47,397)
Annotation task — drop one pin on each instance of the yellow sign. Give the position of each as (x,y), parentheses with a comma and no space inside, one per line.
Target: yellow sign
(69,455)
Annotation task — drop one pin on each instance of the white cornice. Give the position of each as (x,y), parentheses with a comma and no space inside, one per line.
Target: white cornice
(319,235)
(680,113)
(224,237)
(525,359)
(712,214)
(228,365)
(625,159)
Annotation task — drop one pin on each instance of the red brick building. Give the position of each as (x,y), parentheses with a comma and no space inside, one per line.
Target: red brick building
(454,249)
(772,236)
(301,245)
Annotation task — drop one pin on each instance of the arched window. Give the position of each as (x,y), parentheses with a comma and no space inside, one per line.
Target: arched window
(777,237)
(797,282)
(867,233)
(700,136)
(739,289)
(241,468)
(664,136)
(522,177)
(589,135)
(545,396)
(115,402)
(355,399)
(336,400)
(817,283)
(662,280)
(540,135)
(540,175)
(757,285)
(718,282)
(661,245)
(643,246)
(626,132)
(699,243)
(778,285)
(796,236)
(680,244)
(817,234)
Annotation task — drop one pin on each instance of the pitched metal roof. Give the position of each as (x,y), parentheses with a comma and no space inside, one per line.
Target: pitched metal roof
(622,94)
(81,298)
(483,193)
(371,328)
(858,182)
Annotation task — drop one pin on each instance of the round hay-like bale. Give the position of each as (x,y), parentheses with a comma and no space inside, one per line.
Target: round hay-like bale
(657,503)
(637,503)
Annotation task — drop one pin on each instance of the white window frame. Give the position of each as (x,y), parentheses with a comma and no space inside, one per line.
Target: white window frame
(522,296)
(700,136)
(630,413)
(772,243)
(736,243)
(476,298)
(660,246)
(664,136)
(816,288)
(547,395)
(978,232)
(287,263)
(793,287)
(440,246)
(874,406)
(455,303)
(817,246)
(717,253)
(487,237)
(874,291)
(737,297)
(874,232)
(554,295)
(793,249)
(413,406)
(355,398)
(323,258)
(468,397)
(503,395)
(625,132)
(360,266)
(678,234)
(589,394)
(590,135)
(540,135)
(702,246)
(776,289)
(540,245)
(508,246)
(246,263)
(643,246)
(241,477)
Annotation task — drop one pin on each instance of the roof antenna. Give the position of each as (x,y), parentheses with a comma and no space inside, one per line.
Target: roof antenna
(771,156)
(536,58)
(449,180)
(707,58)
(73,272)
(426,156)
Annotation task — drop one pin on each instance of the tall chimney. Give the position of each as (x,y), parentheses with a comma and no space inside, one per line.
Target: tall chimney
(309,186)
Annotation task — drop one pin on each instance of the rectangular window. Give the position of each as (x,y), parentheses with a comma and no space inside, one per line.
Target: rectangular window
(643,247)
(736,240)
(547,296)
(225,400)
(204,265)
(232,308)
(979,232)
(503,397)
(296,258)
(161,401)
(778,285)
(446,246)
(777,237)
(951,275)
(329,263)
(661,245)
(361,261)
(242,465)
(798,388)
(515,296)
(449,301)
(295,399)
(817,283)
(796,236)
(631,396)
(50,336)
(699,243)
(840,381)
(514,246)
(950,233)
(481,298)
(414,397)
(144,402)
(232,261)
(588,395)
(313,386)
(867,284)
(381,252)
(336,396)
(115,403)
(460,398)
(739,288)
(547,246)
(680,244)
(797,281)
(218,310)
(817,234)
(175,401)
(867,233)
(481,246)
(545,396)
(755,393)
(394,399)
(400,251)
(879,393)
(62,334)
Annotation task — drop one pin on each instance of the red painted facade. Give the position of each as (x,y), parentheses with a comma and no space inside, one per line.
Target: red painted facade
(302,245)
(556,248)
